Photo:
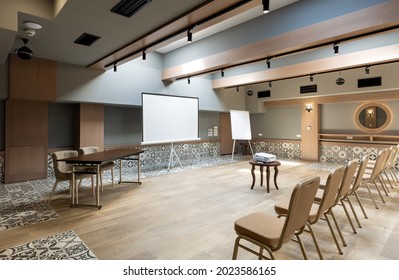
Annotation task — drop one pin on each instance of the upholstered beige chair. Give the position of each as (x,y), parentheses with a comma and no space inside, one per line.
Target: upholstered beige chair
(374,178)
(355,186)
(63,171)
(270,232)
(105,166)
(320,208)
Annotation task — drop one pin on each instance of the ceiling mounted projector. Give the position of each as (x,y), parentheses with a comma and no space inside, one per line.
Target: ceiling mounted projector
(24,52)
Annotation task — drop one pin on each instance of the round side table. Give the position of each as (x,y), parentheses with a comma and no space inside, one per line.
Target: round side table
(261,165)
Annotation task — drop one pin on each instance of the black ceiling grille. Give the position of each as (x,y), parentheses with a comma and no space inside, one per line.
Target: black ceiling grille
(262,94)
(127,8)
(308,89)
(86,39)
(369,82)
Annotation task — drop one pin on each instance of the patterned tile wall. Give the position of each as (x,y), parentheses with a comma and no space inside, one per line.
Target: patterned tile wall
(158,155)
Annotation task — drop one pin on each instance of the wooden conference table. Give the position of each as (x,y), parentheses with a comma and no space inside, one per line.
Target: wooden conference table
(91,164)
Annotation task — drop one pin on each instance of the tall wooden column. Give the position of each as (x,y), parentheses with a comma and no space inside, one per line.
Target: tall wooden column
(310,132)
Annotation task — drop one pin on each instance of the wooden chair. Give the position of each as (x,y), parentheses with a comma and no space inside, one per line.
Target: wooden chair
(63,171)
(269,232)
(320,208)
(103,167)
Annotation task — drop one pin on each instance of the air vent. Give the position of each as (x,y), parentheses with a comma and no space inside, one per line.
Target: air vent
(308,89)
(86,39)
(127,8)
(369,82)
(262,94)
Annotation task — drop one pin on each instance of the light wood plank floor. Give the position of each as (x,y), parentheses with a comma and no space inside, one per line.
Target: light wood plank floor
(190,215)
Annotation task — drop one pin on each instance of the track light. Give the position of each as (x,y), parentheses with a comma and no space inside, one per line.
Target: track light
(336,49)
(222,72)
(265,4)
(188,80)
(270,84)
(144,55)
(115,67)
(367,70)
(238,89)
(268,63)
(311,78)
(189,36)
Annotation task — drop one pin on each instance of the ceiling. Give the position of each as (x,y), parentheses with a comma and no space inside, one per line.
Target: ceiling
(55,40)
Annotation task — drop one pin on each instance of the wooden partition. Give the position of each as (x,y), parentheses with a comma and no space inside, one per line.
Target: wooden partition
(26,141)
(91,125)
(309,132)
(32,85)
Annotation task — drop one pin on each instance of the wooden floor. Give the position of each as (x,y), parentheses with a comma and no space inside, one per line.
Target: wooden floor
(190,215)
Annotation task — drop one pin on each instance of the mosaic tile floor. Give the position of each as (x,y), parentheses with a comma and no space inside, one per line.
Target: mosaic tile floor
(63,246)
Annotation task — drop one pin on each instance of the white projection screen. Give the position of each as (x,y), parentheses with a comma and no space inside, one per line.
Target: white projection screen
(240,125)
(169,118)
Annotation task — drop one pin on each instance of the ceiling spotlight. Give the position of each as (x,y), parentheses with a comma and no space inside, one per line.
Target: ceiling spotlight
(311,78)
(238,89)
(270,84)
(367,70)
(32,25)
(265,4)
(268,63)
(188,80)
(144,55)
(222,72)
(24,52)
(115,69)
(189,36)
(336,49)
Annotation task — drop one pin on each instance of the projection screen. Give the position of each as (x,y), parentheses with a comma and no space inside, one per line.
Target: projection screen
(169,118)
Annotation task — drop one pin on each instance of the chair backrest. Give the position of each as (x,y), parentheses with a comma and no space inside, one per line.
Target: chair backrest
(348,179)
(301,201)
(330,192)
(61,169)
(360,172)
(88,150)
(392,156)
(379,163)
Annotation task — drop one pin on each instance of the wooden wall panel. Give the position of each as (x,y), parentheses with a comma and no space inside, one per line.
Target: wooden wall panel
(34,79)
(309,133)
(226,141)
(26,141)
(91,125)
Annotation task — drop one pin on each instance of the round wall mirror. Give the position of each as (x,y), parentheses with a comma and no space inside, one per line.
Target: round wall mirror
(373,117)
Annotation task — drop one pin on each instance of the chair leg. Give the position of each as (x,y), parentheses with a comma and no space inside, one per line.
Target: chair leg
(338,229)
(349,218)
(371,195)
(305,257)
(112,175)
(360,204)
(52,191)
(333,234)
(383,185)
(316,244)
(353,212)
(378,190)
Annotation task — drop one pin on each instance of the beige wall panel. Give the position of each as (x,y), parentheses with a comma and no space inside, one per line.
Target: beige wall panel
(34,79)
(91,126)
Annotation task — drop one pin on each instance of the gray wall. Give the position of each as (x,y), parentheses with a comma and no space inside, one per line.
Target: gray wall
(62,125)
(277,123)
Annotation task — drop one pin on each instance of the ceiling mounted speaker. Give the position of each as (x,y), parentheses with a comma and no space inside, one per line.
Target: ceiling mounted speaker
(25,52)
(340,81)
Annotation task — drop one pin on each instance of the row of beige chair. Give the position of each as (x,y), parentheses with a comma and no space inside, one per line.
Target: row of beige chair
(63,171)
(270,233)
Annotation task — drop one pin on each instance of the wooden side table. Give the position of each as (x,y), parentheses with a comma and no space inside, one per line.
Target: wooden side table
(261,165)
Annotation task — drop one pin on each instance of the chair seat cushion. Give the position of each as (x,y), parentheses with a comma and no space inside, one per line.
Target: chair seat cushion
(261,227)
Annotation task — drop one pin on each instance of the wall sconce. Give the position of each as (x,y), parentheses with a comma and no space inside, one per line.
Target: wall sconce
(370,112)
(309,108)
